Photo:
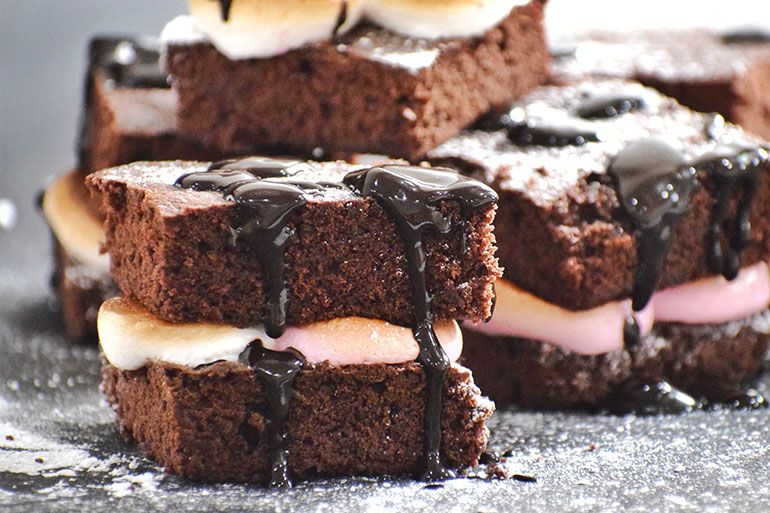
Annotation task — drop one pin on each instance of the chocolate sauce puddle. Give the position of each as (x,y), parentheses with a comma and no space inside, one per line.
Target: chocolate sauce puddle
(654,186)
(276,370)
(734,169)
(412,197)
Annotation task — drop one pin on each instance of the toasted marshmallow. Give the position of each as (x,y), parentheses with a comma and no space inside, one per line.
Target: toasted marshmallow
(264,28)
(434,19)
(131,337)
(76,229)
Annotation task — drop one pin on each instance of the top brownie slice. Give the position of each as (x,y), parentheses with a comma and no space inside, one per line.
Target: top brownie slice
(562,232)
(368,91)
(708,71)
(129,111)
(174,250)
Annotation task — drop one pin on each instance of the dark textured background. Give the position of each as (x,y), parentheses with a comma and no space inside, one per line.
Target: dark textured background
(59,448)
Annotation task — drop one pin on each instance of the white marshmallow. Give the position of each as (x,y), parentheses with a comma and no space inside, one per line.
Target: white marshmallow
(434,19)
(131,337)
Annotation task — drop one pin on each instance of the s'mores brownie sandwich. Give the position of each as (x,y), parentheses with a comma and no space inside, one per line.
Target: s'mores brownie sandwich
(635,236)
(285,319)
(378,76)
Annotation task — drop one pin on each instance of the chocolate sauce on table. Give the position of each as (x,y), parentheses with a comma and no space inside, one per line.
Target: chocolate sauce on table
(277,371)
(654,186)
(734,168)
(609,105)
(412,196)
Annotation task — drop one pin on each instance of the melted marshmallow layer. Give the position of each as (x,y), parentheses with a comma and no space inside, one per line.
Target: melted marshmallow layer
(132,337)
(599,330)
(264,28)
(78,232)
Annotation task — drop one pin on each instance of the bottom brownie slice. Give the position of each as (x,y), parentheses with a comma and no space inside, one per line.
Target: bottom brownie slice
(209,423)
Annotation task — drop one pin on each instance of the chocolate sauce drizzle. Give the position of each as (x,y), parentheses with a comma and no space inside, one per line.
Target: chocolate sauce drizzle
(734,169)
(277,371)
(540,132)
(747,36)
(264,207)
(609,105)
(654,185)
(412,196)
(132,63)
(225,8)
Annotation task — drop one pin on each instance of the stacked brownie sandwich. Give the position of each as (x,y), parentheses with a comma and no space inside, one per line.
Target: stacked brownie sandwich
(288,318)
(634,236)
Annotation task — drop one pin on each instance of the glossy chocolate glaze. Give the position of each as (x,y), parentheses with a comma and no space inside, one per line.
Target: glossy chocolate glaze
(277,371)
(225,8)
(746,35)
(264,207)
(735,171)
(654,186)
(129,62)
(565,131)
(609,105)
(412,197)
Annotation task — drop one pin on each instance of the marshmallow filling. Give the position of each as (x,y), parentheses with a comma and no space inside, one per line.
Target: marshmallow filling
(131,337)
(599,330)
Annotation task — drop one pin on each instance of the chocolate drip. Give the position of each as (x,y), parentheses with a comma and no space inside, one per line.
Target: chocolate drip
(609,105)
(743,36)
(132,63)
(735,171)
(264,207)
(654,185)
(277,371)
(412,196)
(343,17)
(631,335)
(225,8)
(540,132)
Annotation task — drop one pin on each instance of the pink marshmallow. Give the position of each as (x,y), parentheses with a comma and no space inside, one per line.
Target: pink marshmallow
(356,340)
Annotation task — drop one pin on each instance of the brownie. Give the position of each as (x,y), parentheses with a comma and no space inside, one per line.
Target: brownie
(707,71)
(172,249)
(562,232)
(367,91)
(129,111)
(711,361)
(209,423)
